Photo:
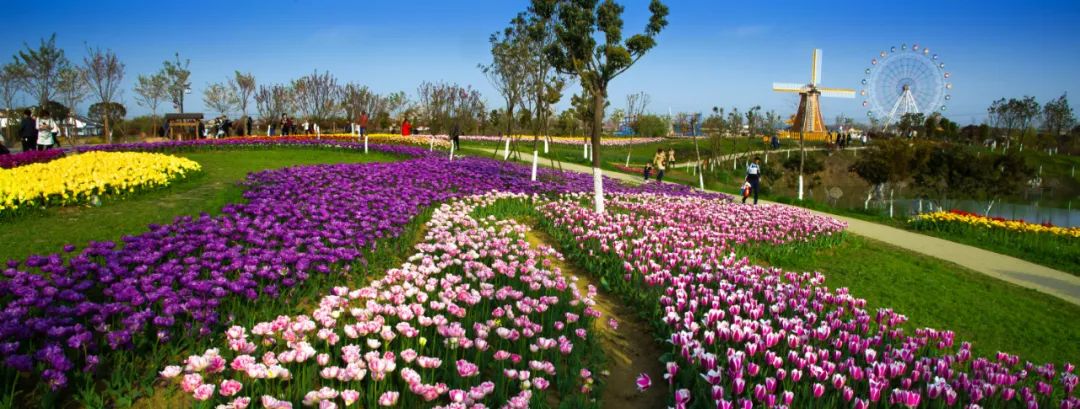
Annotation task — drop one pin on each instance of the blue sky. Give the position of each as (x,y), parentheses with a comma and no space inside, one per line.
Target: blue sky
(713,53)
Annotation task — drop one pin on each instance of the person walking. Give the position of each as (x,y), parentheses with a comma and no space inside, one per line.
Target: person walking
(3,142)
(28,131)
(455,136)
(659,160)
(363,123)
(753,177)
(647,171)
(47,130)
(670,156)
(406,127)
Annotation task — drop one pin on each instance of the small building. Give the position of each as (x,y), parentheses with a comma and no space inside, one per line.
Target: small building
(183,126)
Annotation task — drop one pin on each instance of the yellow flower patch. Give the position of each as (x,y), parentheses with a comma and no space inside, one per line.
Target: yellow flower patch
(995,223)
(76,179)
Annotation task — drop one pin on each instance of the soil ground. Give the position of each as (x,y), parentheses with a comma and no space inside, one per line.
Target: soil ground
(631,349)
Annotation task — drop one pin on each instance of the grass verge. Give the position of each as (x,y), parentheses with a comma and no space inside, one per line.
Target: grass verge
(47,231)
(993,314)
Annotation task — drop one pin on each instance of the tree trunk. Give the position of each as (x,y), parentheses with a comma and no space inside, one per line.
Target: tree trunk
(734,148)
(802,160)
(108,130)
(598,179)
(509,130)
(536,140)
(697,152)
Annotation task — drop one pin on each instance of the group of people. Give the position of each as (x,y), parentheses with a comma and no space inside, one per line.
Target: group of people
(842,140)
(36,133)
(661,160)
(223,126)
(283,126)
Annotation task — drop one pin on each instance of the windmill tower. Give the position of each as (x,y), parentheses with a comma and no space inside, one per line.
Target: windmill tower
(808,119)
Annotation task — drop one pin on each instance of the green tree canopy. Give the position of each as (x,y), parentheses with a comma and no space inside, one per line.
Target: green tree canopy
(115,111)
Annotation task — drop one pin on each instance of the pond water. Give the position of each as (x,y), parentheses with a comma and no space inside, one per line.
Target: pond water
(1028,212)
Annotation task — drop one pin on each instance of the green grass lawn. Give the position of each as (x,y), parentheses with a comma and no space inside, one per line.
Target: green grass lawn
(49,230)
(993,314)
(639,154)
(725,179)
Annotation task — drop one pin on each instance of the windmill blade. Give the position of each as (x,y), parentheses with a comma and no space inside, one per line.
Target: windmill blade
(815,67)
(837,92)
(788,87)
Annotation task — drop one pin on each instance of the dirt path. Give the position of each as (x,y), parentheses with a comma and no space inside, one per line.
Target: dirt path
(631,349)
(1011,269)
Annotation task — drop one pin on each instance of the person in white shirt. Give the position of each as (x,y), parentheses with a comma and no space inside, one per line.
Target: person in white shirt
(47,130)
(753,177)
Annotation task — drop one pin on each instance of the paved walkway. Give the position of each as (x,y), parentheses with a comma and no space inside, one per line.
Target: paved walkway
(1011,269)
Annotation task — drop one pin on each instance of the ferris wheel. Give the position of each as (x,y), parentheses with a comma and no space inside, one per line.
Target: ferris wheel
(904,80)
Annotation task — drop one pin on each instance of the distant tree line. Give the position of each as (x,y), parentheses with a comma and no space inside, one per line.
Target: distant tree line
(1012,123)
(940,171)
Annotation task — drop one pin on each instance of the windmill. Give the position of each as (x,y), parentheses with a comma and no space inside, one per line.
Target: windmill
(808,119)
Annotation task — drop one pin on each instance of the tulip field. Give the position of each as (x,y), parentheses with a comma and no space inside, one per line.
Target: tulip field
(82,178)
(1053,245)
(411,284)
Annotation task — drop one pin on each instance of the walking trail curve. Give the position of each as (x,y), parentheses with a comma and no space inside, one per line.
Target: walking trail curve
(631,351)
(1000,266)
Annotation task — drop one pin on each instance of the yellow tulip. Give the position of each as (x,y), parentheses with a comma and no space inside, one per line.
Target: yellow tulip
(75,178)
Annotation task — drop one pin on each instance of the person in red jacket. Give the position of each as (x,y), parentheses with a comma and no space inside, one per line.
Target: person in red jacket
(405,127)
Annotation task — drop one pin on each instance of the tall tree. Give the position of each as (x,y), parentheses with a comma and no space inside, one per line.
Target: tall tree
(546,84)
(932,127)
(753,117)
(43,66)
(773,122)
(112,112)
(150,91)
(577,53)
(178,76)
(104,72)
(274,100)
(434,98)
(243,86)
(220,98)
(509,71)
(1058,118)
(357,98)
(317,95)
(635,107)
(72,88)
(468,108)
(715,124)
(445,104)
(1026,111)
(911,123)
(734,123)
(12,80)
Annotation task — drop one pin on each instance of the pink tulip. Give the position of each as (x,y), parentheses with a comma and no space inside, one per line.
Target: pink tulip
(240,403)
(672,369)
(350,396)
(682,398)
(229,387)
(204,392)
(388,398)
(467,369)
(644,382)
